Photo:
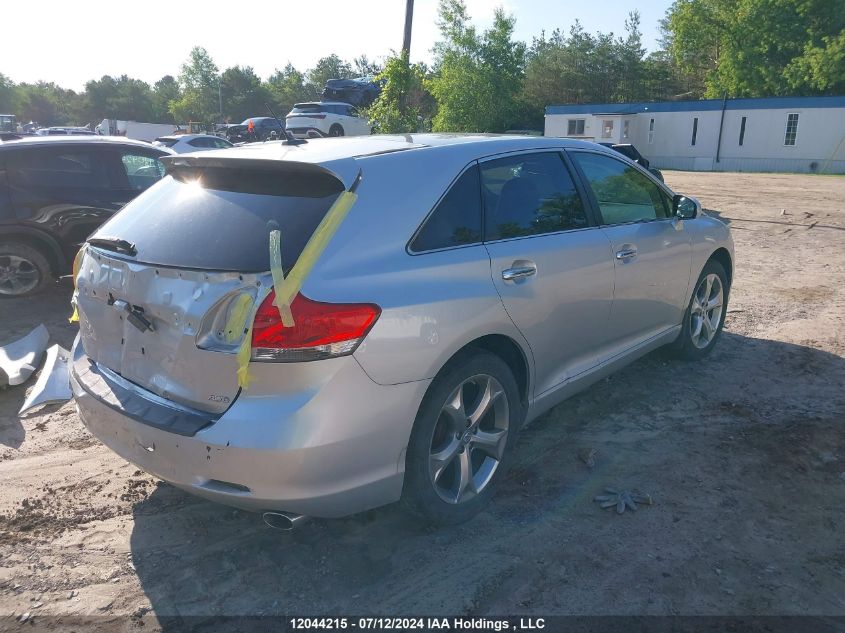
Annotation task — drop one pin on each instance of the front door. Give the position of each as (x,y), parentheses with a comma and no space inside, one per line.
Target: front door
(551,267)
(651,249)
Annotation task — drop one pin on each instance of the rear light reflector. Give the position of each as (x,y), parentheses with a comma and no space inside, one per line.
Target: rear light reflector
(320,330)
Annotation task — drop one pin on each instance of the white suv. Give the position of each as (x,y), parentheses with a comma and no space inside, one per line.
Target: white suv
(326,118)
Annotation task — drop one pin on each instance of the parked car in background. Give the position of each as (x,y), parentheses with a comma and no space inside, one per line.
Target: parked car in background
(182,143)
(626,149)
(326,118)
(361,91)
(265,127)
(54,192)
(64,131)
(446,311)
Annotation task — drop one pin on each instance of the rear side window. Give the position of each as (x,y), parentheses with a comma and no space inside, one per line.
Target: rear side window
(56,167)
(142,171)
(456,220)
(220,219)
(529,194)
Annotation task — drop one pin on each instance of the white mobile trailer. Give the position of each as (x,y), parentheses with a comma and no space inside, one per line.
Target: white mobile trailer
(132,129)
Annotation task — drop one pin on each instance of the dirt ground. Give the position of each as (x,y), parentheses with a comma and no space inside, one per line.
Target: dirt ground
(744,455)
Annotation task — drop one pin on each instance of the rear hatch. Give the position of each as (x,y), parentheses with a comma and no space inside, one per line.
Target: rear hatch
(160,280)
(306,115)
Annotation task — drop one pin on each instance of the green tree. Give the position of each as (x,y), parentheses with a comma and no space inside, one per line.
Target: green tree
(165,91)
(243,94)
(477,77)
(287,87)
(331,67)
(363,66)
(8,96)
(198,82)
(750,48)
(46,103)
(403,105)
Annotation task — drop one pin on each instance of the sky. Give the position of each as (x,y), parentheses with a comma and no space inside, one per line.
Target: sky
(152,39)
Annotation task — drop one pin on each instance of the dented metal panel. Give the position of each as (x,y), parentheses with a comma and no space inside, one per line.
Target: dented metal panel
(185,354)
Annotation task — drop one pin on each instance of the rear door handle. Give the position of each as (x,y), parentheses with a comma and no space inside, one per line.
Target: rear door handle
(519,272)
(626,253)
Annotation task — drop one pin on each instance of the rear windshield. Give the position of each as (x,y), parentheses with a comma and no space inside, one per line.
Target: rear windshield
(308,108)
(167,141)
(220,219)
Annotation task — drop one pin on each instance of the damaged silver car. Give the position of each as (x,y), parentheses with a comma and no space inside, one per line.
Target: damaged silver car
(476,282)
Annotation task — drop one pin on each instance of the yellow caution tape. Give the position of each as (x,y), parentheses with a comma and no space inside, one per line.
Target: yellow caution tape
(288,289)
(77,262)
(236,324)
(243,356)
(279,276)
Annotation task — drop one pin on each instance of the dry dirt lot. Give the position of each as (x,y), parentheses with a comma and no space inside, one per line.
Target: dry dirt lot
(744,455)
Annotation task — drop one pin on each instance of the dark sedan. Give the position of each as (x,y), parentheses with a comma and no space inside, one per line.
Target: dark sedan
(54,192)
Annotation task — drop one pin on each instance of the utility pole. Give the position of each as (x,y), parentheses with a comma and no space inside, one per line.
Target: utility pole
(409,19)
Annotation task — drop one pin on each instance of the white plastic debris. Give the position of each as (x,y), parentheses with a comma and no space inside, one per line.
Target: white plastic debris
(53,383)
(19,359)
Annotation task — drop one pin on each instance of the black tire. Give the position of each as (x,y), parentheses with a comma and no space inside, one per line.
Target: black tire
(420,492)
(686,347)
(336,130)
(22,262)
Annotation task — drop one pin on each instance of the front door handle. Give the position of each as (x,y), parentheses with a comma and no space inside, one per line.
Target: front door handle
(626,254)
(519,272)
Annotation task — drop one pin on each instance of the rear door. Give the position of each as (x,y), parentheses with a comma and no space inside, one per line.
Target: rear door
(64,188)
(550,265)
(651,249)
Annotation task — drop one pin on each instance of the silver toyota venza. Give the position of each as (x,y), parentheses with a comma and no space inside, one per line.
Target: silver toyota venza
(475,282)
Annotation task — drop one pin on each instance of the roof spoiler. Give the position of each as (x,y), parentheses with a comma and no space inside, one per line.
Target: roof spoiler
(346,170)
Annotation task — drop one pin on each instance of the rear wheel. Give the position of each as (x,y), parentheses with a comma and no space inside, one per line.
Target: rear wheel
(462,438)
(336,130)
(705,314)
(24,270)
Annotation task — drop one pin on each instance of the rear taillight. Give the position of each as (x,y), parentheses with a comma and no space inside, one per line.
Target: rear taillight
(320,330)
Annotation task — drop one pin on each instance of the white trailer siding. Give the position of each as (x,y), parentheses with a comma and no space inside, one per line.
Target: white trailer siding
(819,138)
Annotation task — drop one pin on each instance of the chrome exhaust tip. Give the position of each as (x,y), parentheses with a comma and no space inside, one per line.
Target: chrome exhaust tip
(283,520)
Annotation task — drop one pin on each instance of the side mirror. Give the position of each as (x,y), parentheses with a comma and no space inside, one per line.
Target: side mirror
(685,207)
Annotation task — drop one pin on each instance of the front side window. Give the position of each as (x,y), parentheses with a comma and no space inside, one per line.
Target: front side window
(622,192)
(142,171)
(56,167)
(575,127)
(529,194)
(456,220)
(607,129)
(791,129)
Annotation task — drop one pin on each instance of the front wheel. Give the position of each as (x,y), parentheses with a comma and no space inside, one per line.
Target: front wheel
(705,314)
(462,439)
(24,270)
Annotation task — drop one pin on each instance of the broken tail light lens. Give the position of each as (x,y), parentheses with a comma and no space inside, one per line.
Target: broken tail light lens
(320,330)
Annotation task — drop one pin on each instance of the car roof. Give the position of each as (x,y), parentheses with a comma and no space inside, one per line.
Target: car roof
(330,149)
(186,137)
(35,141)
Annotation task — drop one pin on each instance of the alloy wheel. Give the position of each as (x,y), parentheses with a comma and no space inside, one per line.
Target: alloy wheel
(706,310)
(18,275)
(469,439)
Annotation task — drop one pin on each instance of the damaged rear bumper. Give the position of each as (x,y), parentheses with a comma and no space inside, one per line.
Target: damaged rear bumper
(328,450)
